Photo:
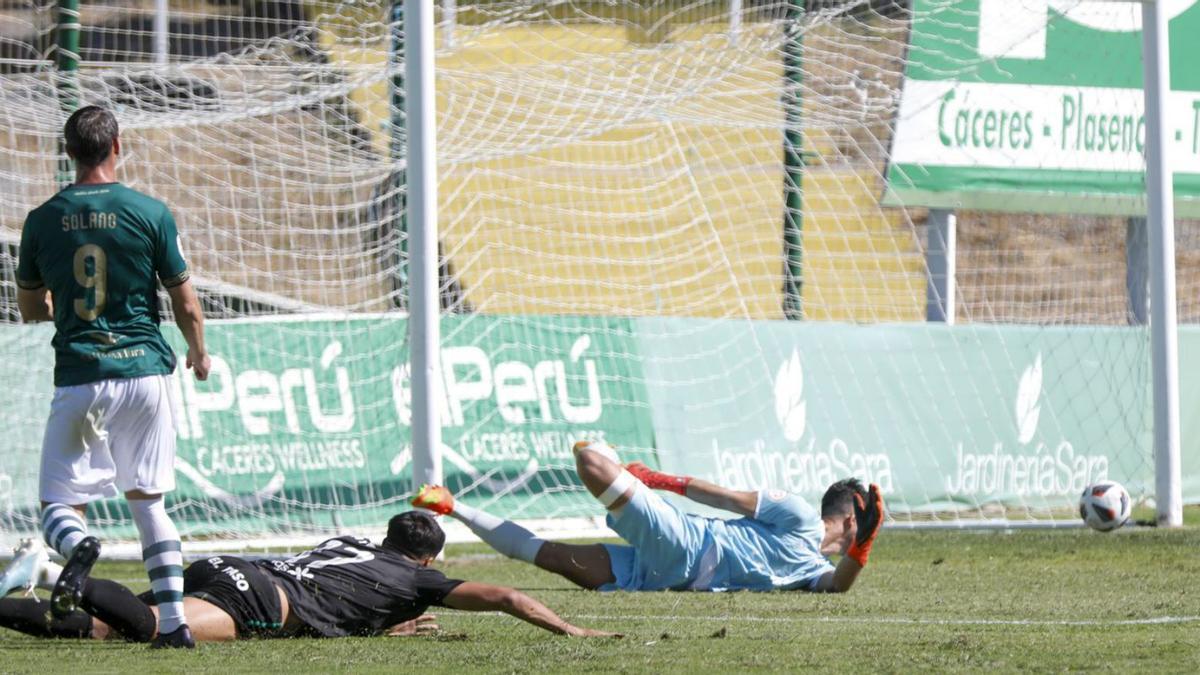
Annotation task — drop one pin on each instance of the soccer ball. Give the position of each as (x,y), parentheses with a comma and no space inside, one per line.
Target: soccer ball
(1105,506)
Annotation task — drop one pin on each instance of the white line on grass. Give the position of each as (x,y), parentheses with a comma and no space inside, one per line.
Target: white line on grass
(1154,620)
(1148,621)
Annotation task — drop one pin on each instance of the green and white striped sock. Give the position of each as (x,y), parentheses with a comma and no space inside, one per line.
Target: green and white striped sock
(63,528)
(162,555)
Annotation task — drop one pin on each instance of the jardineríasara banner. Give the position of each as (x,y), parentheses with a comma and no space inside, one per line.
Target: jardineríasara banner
(1041,98)
(306,423)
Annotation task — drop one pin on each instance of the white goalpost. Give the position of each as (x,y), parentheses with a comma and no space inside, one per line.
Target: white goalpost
(424,294)
(1160,216)
(770,243)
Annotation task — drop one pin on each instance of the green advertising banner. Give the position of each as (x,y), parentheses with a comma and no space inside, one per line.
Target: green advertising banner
(304,424)
(318,413)
(1043,99)
(942,417)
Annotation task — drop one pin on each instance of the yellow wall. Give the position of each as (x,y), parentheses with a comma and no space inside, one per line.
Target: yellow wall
(553,199)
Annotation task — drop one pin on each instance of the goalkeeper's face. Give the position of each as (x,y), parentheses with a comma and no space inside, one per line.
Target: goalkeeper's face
(839,533)
(851,528)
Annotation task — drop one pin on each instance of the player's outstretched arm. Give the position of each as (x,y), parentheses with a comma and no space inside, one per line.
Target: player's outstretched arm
(740,502)
(426,624)
(841,578)
(189,316)
(476,597)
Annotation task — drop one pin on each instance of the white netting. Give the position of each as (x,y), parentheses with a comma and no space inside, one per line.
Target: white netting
(614,189)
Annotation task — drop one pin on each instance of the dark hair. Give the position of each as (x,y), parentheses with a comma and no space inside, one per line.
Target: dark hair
(90,132)
(415,534)
(839,498)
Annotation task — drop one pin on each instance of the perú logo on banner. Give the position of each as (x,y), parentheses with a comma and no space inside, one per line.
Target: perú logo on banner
(276,411)
(1052,469)
(522,394)
(1017,29)
(533,401)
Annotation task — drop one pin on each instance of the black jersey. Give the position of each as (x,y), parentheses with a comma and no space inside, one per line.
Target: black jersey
(349,586)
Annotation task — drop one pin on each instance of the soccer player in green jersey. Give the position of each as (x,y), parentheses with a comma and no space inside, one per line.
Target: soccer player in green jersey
(90,261)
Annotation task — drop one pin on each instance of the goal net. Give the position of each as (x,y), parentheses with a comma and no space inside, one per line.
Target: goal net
(665,224)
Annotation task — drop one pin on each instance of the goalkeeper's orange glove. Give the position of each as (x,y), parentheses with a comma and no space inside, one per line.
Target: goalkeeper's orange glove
(657,480)
(868,515)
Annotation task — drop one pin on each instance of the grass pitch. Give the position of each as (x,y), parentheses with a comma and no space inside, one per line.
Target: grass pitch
(931,601)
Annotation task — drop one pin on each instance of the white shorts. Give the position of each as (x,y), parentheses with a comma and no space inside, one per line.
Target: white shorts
(109,437)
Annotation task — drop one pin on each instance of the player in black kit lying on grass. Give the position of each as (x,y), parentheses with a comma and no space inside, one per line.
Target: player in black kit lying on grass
(346,586)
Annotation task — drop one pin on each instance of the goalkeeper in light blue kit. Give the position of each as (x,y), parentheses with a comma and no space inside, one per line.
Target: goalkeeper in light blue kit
(779,543)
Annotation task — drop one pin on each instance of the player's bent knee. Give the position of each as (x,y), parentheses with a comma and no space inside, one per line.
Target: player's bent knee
(586,464)
(619,491)
(595,449)
(591,465)
(611,484)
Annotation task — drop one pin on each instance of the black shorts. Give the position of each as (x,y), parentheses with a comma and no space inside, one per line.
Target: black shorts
(241,590)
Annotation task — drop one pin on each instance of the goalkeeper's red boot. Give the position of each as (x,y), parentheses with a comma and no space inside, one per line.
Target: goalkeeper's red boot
(434,498)
(657,480)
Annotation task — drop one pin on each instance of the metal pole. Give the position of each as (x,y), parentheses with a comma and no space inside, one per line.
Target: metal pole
(1137,260)
(735,20)
(162,45)
(423,305)
(67,79)
(397,147)
(449,22)
(793,163)
(1160,219)
(939,257)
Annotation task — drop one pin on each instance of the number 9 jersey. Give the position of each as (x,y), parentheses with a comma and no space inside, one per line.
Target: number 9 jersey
(100,250)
